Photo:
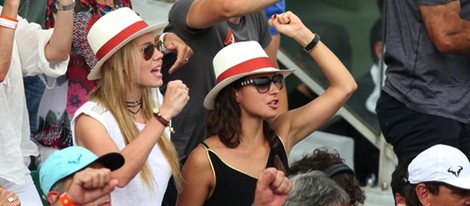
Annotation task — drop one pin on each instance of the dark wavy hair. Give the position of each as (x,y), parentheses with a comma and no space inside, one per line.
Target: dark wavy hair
(321,159)
(400,177)
(224,119)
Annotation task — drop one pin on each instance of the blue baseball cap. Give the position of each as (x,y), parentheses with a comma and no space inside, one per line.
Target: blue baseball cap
(70,160)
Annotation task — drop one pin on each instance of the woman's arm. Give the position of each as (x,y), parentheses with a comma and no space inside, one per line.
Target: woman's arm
(295,125)
(10,10)
(198,179)
(446,28)
(90,133)
(59,46)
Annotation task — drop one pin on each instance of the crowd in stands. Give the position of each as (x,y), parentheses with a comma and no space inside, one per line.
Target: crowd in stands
(194,111)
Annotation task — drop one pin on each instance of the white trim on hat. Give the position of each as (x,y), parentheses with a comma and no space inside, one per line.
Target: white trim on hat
(236,61)
(114,30)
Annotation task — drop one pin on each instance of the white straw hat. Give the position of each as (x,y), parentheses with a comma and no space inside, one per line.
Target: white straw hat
(236,61)
(113,31)
(441,163)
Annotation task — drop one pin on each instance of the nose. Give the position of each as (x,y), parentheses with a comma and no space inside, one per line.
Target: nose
(157,55)
(273,89)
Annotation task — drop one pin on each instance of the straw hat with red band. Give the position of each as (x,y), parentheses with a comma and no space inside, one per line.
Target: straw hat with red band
(113,31)
(236,61)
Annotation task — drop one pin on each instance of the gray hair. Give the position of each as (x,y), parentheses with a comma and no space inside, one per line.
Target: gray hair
(316,189)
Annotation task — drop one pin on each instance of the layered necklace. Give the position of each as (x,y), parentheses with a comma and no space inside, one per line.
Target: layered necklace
(134,107)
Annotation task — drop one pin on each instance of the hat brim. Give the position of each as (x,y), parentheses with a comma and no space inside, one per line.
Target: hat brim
(95,73)
(112,161)
(462,183)
(210,97)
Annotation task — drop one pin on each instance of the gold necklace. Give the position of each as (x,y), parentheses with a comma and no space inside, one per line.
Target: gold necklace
(134,113)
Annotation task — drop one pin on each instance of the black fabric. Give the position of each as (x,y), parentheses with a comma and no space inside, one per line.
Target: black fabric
(412,132)
(333,169)
(234,187)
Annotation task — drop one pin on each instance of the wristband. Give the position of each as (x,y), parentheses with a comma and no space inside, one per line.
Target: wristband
(65,200)
(161,40)
(66,7)
(163,121)
(8,22)
(312,44)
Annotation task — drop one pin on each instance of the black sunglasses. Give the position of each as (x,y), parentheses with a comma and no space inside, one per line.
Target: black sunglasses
(149,49)
(263,83)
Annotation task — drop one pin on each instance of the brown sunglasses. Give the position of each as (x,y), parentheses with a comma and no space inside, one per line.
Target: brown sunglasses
(149,49)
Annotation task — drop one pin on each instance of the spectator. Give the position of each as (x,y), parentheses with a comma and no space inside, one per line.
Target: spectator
(33,11)
(424,100)
(333,166)
(126,113)
(242,141)
(316,189)
(58,103)
(439,175)
(26,50)
(77,175)
(229,21)
(378,68)
(399,182)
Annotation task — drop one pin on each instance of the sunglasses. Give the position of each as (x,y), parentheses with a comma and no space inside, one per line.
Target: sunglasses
(263,83)
(149,49)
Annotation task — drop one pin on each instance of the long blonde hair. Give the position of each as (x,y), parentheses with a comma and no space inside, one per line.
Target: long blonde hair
(119,76)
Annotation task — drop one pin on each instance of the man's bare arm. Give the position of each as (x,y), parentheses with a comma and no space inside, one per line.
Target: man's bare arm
(446,29)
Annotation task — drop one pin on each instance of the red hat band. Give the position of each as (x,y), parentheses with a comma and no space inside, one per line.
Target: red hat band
(245,67)
(113,42)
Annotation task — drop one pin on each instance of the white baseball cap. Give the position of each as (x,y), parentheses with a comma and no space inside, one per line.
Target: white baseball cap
(441,163)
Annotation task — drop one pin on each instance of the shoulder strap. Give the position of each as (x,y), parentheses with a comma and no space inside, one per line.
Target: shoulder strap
(205,145)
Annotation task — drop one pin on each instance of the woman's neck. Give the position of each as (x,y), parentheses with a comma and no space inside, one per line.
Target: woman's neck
(252,131)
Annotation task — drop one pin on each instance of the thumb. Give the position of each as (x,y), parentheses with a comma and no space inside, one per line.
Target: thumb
(265,179)
(111,185)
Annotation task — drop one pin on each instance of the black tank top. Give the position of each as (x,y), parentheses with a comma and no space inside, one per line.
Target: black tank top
(234,187)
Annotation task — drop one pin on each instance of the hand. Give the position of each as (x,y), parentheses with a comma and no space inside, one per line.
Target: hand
(176,97)
(90,184)
(272,188)
(173,43)
(8,198)
(289,24)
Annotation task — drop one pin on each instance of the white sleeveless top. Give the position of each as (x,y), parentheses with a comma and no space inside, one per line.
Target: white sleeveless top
(134,193)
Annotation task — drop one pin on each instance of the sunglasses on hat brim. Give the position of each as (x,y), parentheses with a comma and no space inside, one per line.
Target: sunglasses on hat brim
(263,83)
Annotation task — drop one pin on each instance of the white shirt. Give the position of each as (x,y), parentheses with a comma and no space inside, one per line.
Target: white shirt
(28,59)
(135,192)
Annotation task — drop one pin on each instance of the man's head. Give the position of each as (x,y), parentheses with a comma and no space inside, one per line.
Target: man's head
(400,180)
(315,188)
(58,170)
(331,163)
(439,175)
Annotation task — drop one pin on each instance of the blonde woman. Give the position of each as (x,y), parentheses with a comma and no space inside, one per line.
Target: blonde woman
(125,112)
